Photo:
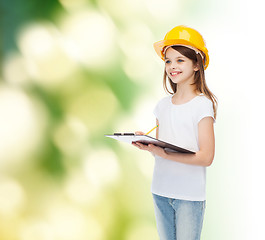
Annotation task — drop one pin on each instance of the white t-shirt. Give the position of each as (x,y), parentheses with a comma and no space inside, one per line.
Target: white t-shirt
(178,124)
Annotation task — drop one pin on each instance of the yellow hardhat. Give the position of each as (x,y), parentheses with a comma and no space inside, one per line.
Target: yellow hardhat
(184,36)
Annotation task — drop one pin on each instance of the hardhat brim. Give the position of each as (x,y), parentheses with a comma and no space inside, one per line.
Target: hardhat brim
(159,48)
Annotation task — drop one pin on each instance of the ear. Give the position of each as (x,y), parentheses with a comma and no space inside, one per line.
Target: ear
(196,67)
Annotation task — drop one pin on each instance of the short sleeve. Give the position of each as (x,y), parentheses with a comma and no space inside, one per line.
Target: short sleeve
(160,106)
(205,110)
(156,110)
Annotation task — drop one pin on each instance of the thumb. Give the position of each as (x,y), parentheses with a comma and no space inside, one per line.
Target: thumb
(139,133)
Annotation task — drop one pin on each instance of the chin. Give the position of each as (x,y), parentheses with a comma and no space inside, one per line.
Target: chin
(175,81)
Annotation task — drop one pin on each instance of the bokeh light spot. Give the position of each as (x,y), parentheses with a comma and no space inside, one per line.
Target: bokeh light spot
(71,136)
(12,197)
(142,231)
(95,107)
(46,55)
(92,36)
(20,126)
(102,168)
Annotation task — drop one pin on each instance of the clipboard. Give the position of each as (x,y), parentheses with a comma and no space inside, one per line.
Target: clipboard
(145,139)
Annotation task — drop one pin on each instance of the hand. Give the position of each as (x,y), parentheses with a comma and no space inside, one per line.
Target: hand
(139,133)
(150,148)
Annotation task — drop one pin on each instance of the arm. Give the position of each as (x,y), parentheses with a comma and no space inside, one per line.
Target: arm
(204,157)
(157,129)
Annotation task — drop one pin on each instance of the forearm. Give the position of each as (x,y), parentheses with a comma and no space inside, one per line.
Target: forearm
(199,158)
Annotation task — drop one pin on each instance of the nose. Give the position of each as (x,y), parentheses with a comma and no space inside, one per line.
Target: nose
(173,65)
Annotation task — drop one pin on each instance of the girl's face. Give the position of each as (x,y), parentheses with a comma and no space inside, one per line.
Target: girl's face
(179,68)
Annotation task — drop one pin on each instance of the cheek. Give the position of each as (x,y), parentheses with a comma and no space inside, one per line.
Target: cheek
(167,72)
(167,69)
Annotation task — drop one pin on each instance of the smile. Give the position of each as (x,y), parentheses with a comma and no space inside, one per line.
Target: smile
(175,73)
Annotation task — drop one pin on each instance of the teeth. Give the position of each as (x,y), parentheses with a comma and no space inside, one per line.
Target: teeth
(175,73)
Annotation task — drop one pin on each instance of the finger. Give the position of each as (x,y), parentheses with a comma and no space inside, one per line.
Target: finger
(142,146)
(136,145)
(145,147)
(139,145)
(139,133)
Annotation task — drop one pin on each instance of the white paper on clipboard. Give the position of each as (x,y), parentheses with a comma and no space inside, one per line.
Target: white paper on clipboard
(145,139)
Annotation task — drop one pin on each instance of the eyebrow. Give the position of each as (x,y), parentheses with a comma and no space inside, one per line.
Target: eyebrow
(175,58)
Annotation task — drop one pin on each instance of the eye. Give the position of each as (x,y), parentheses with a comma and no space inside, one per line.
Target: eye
(180,60)
(167,61)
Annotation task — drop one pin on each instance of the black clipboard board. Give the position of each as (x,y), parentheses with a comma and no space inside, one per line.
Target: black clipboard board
(145,139)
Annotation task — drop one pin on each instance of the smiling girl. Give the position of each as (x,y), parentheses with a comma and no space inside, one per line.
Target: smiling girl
(186,118)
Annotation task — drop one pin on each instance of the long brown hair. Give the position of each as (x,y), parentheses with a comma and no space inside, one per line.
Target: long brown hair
(199,78)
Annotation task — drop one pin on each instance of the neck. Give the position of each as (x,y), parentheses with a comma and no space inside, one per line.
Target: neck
(185,90)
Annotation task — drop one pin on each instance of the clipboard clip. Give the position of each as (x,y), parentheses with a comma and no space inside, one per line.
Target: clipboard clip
(124,134)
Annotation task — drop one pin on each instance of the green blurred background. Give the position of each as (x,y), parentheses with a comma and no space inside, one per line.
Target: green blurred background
(74,70)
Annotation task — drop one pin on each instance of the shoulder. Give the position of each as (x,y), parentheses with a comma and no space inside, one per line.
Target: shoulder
(161,105)
(164,100)
(204,101)
(204,108)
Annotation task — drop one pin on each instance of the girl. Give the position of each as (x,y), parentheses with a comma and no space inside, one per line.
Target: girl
(185,119)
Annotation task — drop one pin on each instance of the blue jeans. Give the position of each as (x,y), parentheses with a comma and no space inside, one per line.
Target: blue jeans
(178,219)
